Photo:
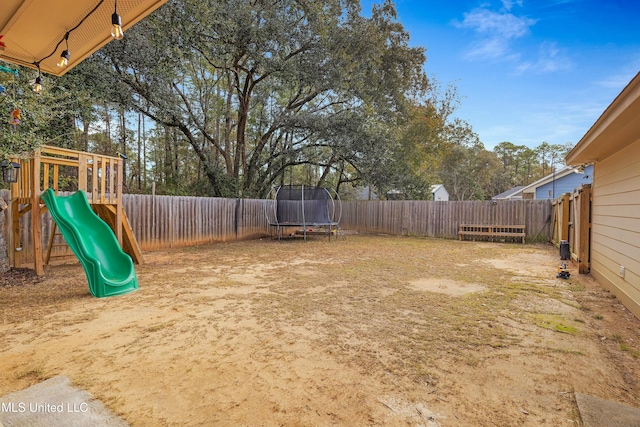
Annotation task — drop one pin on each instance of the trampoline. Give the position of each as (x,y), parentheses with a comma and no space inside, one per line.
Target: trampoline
(313,210)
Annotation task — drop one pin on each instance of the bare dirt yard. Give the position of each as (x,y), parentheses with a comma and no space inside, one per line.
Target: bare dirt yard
(373,330)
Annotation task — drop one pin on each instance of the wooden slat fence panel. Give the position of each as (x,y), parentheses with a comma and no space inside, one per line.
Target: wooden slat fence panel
(161,222)
(442,219)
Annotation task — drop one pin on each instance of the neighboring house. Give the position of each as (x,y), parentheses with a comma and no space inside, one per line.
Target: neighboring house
(556,184)
(514,193)
(612,147)
(440,194)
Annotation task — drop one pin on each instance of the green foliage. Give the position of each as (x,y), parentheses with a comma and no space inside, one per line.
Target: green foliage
(35,111)
(259,89)
(228,98)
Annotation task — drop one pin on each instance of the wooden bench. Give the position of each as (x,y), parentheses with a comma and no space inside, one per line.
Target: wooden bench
(491,231)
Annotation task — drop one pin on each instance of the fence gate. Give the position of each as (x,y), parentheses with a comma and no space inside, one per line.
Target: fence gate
(572,223)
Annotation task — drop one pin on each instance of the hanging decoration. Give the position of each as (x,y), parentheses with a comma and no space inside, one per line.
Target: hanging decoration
(8,70)
(15,117)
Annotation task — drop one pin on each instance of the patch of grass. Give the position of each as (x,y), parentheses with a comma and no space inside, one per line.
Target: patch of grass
(598,317)
(617,338)
(554,323)
(576,287)
(624,347)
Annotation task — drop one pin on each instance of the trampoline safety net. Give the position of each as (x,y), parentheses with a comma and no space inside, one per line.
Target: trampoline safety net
(304,206)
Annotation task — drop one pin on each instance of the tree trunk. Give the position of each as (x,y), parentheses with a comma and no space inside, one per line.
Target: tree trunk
(139,157)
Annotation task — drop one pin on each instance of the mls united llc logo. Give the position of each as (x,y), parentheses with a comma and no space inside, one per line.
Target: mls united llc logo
(21,407)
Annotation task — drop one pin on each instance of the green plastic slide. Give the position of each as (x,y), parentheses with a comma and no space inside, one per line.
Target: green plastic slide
(109,270)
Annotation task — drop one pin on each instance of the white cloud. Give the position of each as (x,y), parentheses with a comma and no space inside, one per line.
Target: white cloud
(488,49)
(508,4)
(495,31)
(496,34)
(496,25)
(550,59)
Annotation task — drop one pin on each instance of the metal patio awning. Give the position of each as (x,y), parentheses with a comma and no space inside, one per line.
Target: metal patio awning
(34,30)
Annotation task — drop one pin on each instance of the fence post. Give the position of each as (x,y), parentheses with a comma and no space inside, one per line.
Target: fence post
(564,232)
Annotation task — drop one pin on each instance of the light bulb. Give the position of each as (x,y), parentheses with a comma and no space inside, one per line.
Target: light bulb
(116,27)
(64,58)
(37,87)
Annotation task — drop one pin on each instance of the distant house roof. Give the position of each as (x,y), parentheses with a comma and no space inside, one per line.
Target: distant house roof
(531,188)
(557,178)
(566,170)
(439,192)
(514,193)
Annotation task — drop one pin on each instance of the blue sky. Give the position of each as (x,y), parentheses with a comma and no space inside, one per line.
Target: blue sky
(527,71)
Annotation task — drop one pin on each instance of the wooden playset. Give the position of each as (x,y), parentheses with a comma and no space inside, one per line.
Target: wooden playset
(99,176)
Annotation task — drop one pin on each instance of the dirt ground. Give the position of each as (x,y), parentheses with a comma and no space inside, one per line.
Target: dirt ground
(373,330)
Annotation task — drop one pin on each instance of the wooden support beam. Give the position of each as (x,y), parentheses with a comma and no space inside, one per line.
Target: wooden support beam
(108,213)
(82,172)
(94,178)
(119,207)
(15,258)
(103,181)
(113,194)
(35,215)
(56,178)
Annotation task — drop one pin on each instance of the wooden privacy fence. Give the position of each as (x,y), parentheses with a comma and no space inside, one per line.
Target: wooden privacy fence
(572,223)
(161,222)
(442,219)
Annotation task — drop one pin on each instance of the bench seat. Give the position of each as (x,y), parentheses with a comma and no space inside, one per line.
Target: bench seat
(517,231)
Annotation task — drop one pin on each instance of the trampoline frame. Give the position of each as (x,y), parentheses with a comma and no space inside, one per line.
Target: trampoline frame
(300,212)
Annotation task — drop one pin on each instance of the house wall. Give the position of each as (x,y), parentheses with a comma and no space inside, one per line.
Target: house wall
(615,233)
(566,184)
(441,195)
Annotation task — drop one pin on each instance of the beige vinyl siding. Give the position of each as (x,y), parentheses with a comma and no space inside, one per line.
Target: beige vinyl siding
(615,235)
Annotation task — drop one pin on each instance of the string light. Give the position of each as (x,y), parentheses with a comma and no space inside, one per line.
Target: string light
(116,23)
(37,86)
(116,32)
(65,55)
